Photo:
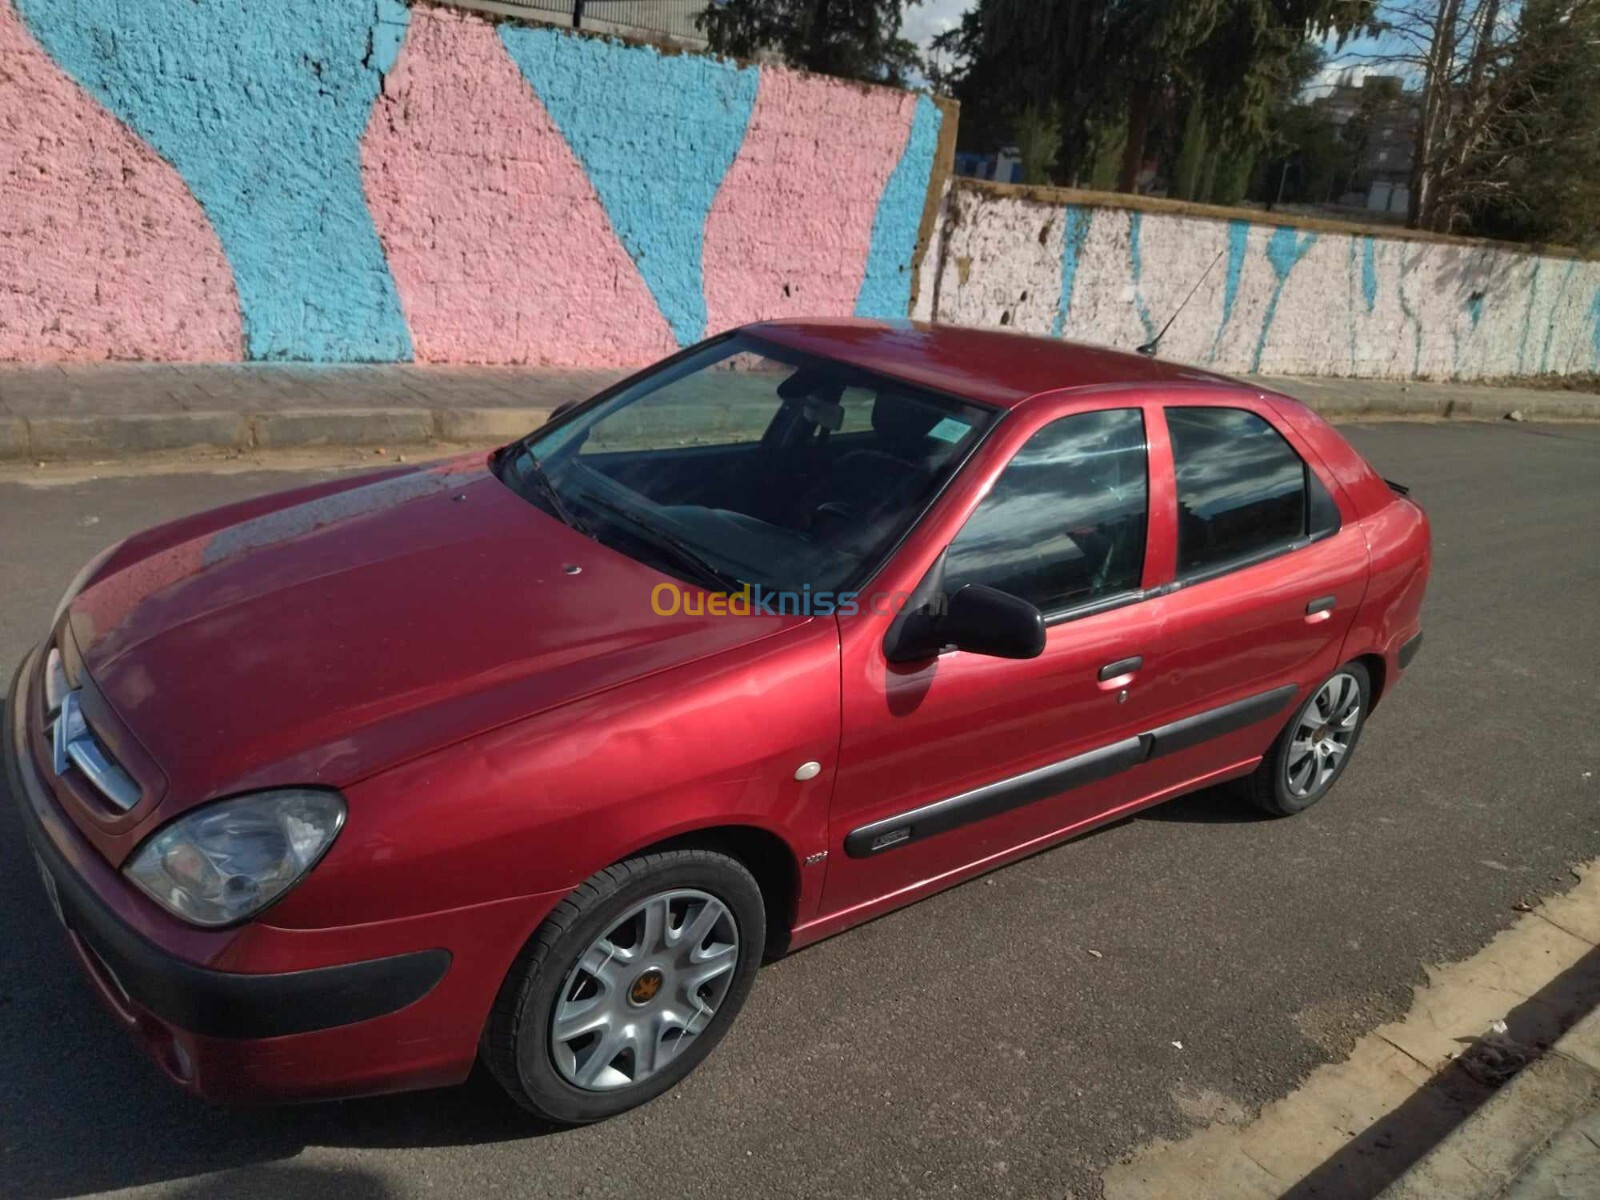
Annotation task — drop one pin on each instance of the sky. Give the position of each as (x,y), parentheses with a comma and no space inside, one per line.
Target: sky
(923,21)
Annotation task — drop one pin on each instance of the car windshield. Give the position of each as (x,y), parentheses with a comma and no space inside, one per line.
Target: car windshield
(747,463)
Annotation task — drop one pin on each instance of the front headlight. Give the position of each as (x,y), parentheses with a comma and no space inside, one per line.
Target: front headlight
(229,859)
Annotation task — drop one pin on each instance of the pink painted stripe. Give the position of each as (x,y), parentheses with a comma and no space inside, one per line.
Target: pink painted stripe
(790,228)
(497,242)
(103,251)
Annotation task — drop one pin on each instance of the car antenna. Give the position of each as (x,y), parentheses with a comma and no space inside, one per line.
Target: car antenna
(1149,348)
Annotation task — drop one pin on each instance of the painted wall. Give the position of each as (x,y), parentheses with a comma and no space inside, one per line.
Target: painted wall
(373,180)
(367,180)
(1273,299)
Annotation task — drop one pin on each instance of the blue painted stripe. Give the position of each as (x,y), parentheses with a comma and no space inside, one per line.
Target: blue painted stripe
(1527,314)
(1594,327)
(1407,311)
(1073,238)
(1550,325)
(886,286)
(1136,265)
(260,108)
(656,134)
(1369,274)
(1238,247)
(1284,251)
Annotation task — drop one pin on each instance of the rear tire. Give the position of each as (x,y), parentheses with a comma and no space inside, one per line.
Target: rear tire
(629,983)
(1315,746)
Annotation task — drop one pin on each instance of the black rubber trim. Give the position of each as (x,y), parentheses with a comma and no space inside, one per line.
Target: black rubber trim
(1409,650)
(1321,604)
(993,798)
(1098,605)
(1006,794)
(212,1003)
(1217,722)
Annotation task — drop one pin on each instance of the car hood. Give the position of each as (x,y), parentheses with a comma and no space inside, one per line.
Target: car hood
(320,642)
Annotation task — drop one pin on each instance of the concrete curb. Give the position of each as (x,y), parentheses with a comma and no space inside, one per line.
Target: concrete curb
(102,436)
(58,438)
(1537,1129)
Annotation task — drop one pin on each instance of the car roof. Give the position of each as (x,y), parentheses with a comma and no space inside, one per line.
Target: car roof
(991,366)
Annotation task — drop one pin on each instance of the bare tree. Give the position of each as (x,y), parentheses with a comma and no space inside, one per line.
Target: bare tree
(1468,59)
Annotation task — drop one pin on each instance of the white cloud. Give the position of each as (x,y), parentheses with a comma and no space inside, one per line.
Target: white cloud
(932,17)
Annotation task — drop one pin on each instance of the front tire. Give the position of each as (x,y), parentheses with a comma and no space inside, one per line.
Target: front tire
(629,983)
(1315,746)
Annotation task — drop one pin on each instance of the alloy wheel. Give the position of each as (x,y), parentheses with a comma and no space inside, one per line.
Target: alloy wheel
(643,990)
(1322,735)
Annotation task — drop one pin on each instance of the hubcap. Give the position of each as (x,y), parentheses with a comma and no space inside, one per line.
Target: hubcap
(1322,735)
(644,990)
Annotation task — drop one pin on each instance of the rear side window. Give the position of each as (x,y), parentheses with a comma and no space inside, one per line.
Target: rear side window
(1243,493)
(1064,524)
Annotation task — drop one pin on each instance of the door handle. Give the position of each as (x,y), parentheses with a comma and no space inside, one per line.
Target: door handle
(1123,666)
(1321,604)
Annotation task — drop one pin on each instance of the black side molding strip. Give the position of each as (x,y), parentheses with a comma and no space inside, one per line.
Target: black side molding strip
(1090,767)
(994,798)
(1216,722)
(1409,650)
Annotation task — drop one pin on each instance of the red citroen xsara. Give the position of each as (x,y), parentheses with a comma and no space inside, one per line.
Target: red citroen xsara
(534,756)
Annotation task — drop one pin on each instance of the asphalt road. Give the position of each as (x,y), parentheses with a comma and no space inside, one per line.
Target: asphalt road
(969,1045)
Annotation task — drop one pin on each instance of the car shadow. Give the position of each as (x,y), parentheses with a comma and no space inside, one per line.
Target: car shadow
(84,1111)
(1219,805)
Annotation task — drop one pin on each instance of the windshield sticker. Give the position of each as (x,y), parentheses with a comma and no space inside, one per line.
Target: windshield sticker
(950,430)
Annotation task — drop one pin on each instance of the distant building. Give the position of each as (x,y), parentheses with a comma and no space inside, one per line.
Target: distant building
(665,22)
(1002,166)
(1377,119)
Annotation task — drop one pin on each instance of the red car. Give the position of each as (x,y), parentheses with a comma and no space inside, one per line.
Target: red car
(534,756)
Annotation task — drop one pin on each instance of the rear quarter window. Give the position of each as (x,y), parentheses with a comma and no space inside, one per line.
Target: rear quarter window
(1243,492)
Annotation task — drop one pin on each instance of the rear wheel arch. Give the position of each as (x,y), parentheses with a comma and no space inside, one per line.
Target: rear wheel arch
(1377,672)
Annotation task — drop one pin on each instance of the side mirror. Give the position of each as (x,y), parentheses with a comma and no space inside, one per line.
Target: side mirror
(977,619)
(985,620)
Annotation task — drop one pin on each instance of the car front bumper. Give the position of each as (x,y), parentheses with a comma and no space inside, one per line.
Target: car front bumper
(402,1011)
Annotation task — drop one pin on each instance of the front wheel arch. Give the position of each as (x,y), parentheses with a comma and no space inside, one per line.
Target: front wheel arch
(765,855)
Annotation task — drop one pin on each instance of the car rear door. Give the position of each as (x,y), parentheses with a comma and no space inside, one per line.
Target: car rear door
(1267,572)
(948,762)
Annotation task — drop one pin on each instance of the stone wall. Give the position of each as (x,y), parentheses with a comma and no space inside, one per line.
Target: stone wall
(371,180)
(1312,298)
(376,180)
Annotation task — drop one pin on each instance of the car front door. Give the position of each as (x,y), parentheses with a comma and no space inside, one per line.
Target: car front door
(961,758)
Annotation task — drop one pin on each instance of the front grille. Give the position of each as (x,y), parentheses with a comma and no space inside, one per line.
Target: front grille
(74,745)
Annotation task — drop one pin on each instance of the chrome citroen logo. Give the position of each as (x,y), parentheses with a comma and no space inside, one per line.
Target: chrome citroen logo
(73,744)
(69,727)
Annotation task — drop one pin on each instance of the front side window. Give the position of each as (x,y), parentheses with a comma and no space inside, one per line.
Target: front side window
(1243,492)
(1065,522)
(748,463)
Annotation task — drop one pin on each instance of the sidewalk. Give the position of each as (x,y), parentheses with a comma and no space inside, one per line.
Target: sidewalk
(1538,1138)
(60,411)
(1486,1088)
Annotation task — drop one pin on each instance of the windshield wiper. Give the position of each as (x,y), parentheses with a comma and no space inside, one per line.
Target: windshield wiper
(528,467)
(665,539)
